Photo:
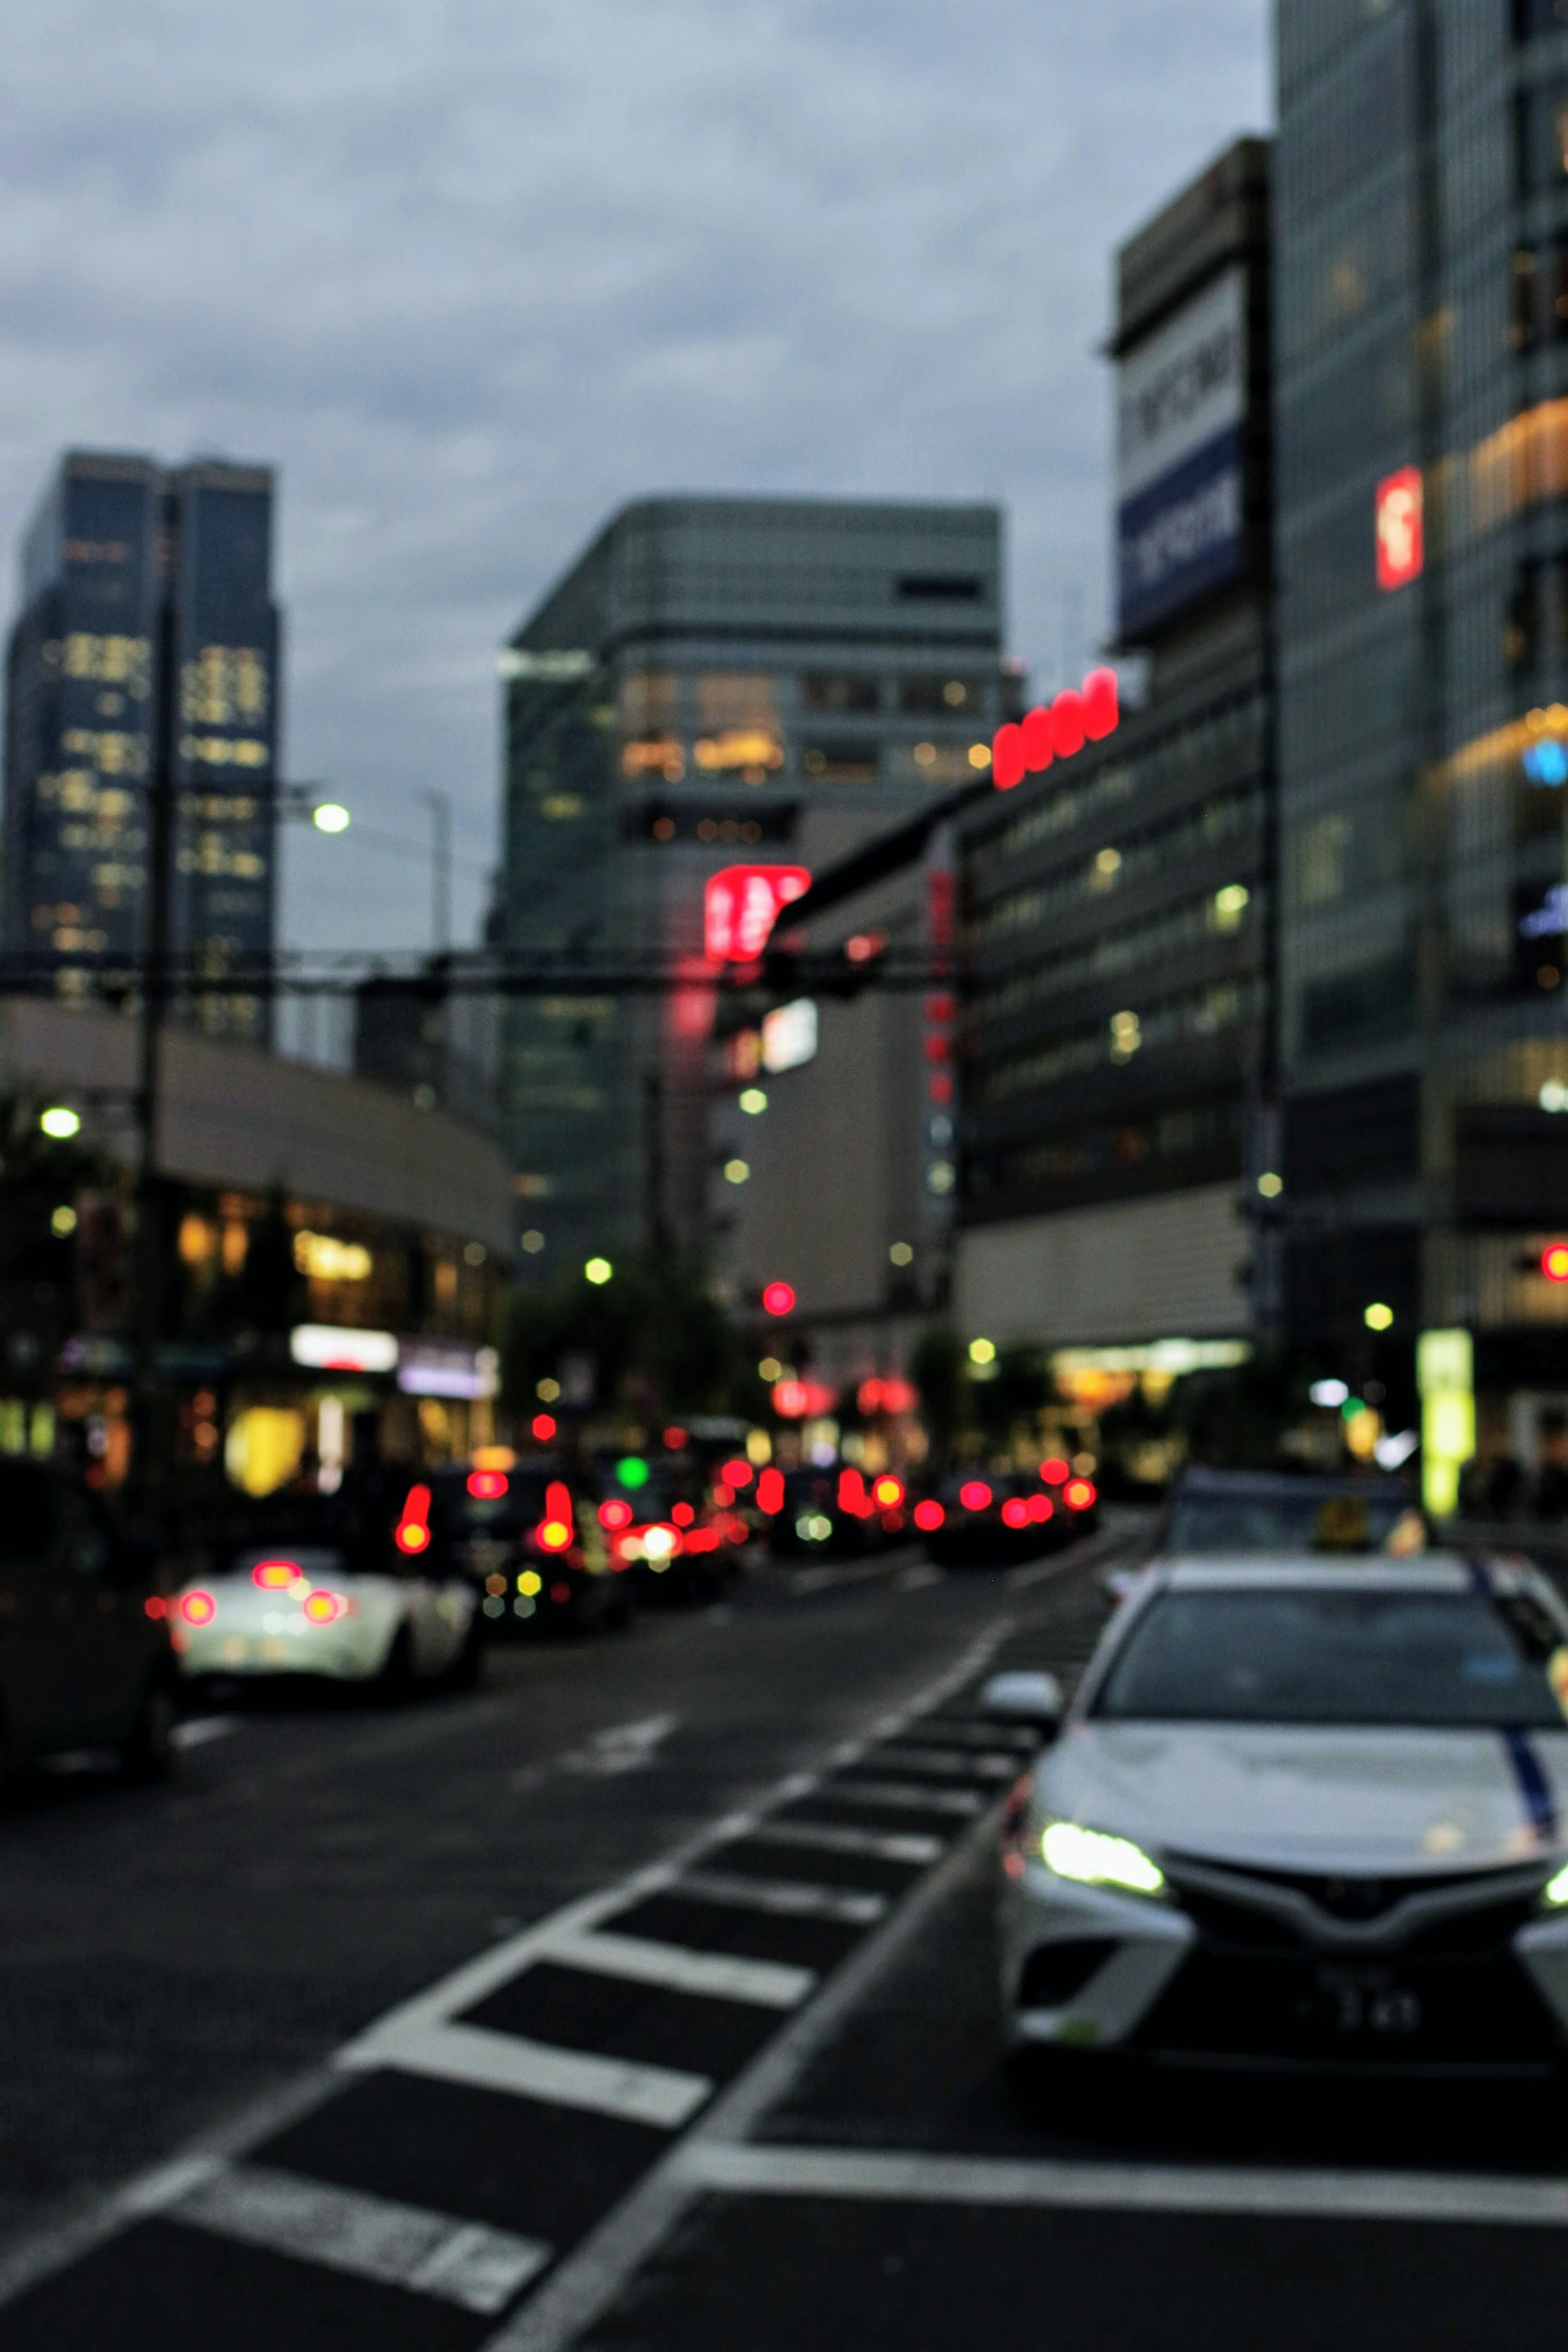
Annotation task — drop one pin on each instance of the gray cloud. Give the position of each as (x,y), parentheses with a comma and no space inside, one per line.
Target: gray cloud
(471,275)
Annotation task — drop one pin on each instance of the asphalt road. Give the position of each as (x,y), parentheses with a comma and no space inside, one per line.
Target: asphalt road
(647,2000)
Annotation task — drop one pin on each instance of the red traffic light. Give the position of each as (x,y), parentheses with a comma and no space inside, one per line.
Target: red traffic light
(1554,1260)
(778,1298)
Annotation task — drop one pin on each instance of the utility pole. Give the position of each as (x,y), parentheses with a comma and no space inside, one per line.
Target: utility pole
(149,1450)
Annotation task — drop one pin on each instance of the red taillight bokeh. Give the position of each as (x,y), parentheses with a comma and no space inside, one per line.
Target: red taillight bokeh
(888,1492)
(487,1485)
(543,1427)
(1015,1512)
(615,1514)
(412,1535)
(778,1298)
(1056,1472)
(682,1514)
(737,1473)
(771,1492)
(275,1575)
(1041,1508)
(975,1495)
(674,1438)
(1079,1494)
(155,1605)
(723,1493)
(198,1608)
(325,1608)
(852,1498)
(555,1529)
(929,1517)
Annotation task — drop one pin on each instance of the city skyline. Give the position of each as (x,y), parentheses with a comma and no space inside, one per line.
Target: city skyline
(468,294)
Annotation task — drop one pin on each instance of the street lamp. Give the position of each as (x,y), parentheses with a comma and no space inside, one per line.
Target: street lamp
(59,1123)
(330,817)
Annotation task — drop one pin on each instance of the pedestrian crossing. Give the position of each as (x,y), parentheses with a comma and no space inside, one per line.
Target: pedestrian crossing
(471,2138)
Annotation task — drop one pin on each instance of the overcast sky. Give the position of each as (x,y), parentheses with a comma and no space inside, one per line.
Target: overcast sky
(471,275)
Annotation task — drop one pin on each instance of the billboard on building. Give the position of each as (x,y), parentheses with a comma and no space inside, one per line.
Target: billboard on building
(1182,401)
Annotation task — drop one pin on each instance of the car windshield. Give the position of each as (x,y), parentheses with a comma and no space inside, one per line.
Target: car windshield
(1203,1524)
(1300,1654)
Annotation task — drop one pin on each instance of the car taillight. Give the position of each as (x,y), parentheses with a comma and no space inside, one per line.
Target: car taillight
(1079,1494)
(487,1485)
(554,1534)
(770,1493)
(1041,1508)
(555,1529)
(1055,1472)
(412,1535)
(887,1492)
(275,1575)
(974,1496)
(682,1514)
(325,1608)
(155,1605)
(852,1499)
(929,1517)
(614,1513)
(1015,1512)
(198,1608)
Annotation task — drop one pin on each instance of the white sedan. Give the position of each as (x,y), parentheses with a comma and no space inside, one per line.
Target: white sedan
(1301,1816)
(302,1609)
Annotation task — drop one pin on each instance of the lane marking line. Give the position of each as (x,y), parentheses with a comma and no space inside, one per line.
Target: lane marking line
(479,2268)
(790,1898)
(829,1838)
(640,1960)
(901,1796)
(489,2061)
(951,1763)
(915,2178)
(199,1730)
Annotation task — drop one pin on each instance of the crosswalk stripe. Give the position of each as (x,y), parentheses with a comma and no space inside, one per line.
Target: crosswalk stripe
(538,2070)
(908,1845)
(369,2237)
(958,1763)
(899,1794)
(767,1984)
(793,1898)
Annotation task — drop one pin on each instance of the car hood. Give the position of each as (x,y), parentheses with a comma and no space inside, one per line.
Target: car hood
(1289,1798)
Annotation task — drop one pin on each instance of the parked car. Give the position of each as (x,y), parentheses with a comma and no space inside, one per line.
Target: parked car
(357,1587)
(85,1654)
(529,1543)
(987,1519)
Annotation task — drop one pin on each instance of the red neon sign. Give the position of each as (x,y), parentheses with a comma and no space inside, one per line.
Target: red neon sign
(1401,529)
(741,905)
(1056,731)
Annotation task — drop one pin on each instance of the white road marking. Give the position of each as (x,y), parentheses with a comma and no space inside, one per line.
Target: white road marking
(917,1579)
(902,1795)
(794,1898)
(201,1728)
(535,2070)
(887,1845)
(955,1763)
(767,1984)
(625,1747)
(371,2237)
(916,2178)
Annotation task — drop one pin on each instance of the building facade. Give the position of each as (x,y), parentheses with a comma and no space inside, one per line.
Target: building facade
(1115,907)
(718,683)
(1422,327)
(147,633)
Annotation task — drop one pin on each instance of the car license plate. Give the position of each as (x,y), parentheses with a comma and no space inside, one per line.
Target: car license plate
(1352,2000)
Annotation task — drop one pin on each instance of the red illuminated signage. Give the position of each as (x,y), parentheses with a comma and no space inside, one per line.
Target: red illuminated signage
(1056,731)
(742,904)
(1401,534)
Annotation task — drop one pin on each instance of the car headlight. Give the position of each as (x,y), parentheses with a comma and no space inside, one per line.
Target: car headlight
(1095,1859)
(1555,1894)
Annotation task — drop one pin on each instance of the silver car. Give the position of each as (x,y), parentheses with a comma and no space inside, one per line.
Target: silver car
(1301,1814)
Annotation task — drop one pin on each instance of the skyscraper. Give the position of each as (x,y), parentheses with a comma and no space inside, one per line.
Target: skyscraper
(1422,335)
(147,631)
(717,682)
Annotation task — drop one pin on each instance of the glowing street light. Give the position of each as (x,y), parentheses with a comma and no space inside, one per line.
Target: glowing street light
(330,817)
(59,1123)
(599,1270)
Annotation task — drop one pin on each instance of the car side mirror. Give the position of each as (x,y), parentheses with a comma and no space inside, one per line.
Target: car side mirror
(1032,1698)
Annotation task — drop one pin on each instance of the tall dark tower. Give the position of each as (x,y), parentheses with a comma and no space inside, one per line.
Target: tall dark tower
(147,626)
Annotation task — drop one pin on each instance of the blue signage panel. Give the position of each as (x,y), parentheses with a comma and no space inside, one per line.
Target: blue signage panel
(1183,536)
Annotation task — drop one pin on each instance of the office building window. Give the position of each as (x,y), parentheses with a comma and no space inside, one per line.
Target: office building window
(853,692)
(1533,17)
(648,702)
(839,764)
(737,726)
(1543,138)
(938,697)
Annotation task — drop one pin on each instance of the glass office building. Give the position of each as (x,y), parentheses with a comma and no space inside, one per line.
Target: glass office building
(1116,906)
(716,682)
(147,632)
(1422,434)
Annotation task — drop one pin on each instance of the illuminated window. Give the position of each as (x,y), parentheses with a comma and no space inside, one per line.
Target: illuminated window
(839,764)
(648,703)
(654,755)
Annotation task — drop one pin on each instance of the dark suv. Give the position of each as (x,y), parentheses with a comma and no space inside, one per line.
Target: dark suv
(530,1538)
(85,1657)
